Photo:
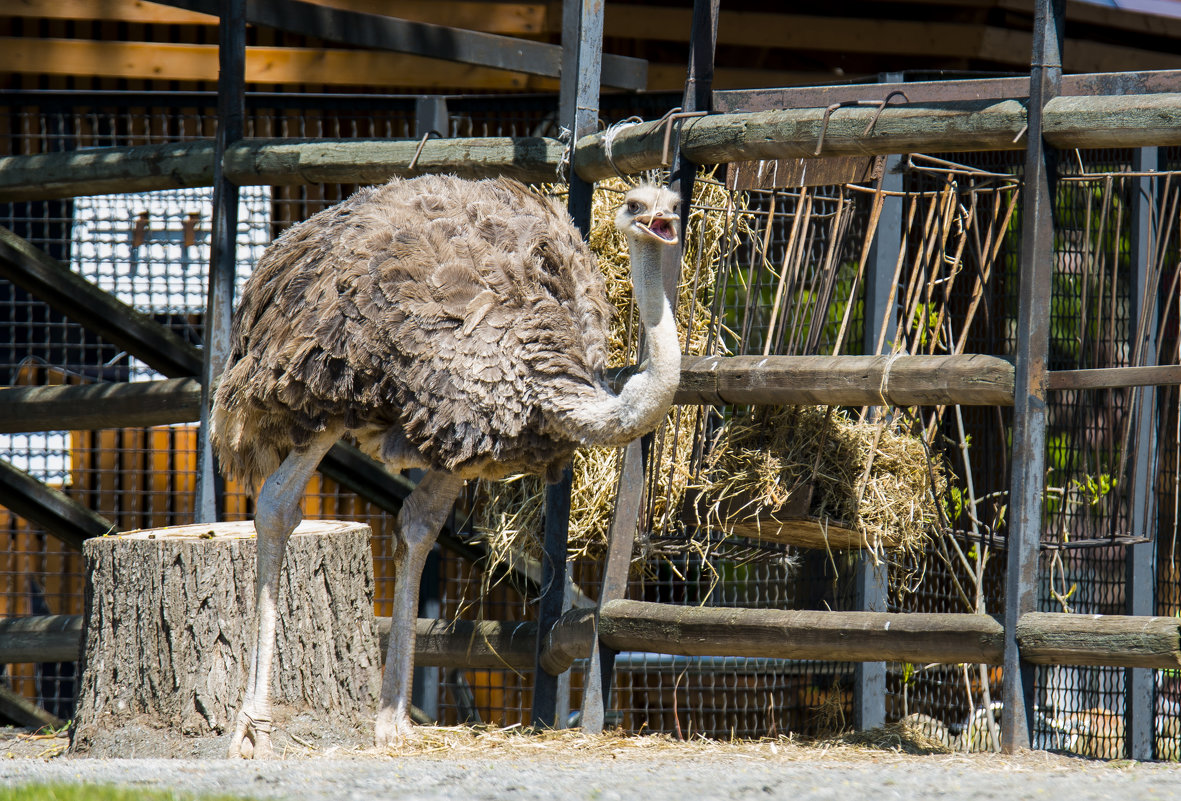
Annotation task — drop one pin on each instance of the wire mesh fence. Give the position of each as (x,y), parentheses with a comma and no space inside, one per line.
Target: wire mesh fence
(788,278)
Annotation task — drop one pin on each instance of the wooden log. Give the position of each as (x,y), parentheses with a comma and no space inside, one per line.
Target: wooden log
(772,633)
(1112,377)
(1055,638)
(846,380)
(106,170)
(24,712)
(43,638)
(1070,122)
(169,627)
(570,638)
(369,161)
(95,406)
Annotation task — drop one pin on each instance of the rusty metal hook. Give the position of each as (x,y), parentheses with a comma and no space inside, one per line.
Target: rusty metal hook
(421,142)
(881,104)
(668,119)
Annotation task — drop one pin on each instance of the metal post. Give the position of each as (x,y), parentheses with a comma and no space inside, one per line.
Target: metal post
(231,82)
(869,693)
(430,114)
(698,96)
(1140,561)
(582,58)
(1033,343)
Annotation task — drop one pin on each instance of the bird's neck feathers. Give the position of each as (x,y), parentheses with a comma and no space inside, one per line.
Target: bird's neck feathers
(614,420)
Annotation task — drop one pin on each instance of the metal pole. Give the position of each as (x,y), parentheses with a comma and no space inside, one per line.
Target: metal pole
(1140,561)
(582,58)
(1033,344)
(869,678)
(231,82)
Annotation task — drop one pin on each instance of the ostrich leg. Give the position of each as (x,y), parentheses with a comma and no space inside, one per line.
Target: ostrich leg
(423,513)
(276,516)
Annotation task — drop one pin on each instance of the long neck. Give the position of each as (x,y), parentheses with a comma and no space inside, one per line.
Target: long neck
(613,420)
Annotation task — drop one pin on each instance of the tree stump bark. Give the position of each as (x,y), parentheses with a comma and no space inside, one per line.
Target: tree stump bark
(169,627)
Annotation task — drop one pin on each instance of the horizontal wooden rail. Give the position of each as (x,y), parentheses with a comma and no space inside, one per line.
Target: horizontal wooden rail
(1070,122)
(95,406)
(1045,638)
(847,380)
(1113,377)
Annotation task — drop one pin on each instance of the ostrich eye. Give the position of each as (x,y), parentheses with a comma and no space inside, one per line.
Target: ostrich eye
(633,207)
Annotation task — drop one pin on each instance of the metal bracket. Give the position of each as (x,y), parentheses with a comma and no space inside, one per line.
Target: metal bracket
(668,119)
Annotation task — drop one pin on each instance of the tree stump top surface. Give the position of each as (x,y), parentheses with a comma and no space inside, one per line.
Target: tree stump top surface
(239,529)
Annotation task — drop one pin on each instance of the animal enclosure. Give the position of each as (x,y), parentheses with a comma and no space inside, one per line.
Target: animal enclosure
(908,256)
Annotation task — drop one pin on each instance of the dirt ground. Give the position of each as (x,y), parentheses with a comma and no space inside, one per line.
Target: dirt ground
(503,764)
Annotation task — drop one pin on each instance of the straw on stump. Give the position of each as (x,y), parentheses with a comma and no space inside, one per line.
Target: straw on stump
(169,627)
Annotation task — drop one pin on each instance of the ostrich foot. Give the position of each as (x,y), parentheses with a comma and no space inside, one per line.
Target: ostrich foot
(392,730)
(252,738)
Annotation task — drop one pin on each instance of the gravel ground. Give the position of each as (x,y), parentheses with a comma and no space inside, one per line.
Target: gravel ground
(522,767)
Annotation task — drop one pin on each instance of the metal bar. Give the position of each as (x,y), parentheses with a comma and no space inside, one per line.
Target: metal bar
(881,324)
(56,512)
(1114,377)
(231,111)
(379,32)
(578,110)
(1029,416)
(1140,559)
(1101,83)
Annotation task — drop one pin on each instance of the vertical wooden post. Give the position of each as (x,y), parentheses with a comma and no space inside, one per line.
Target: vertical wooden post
(869,678)
(231,82)
(582,61)
(1140,560)
(1033,347)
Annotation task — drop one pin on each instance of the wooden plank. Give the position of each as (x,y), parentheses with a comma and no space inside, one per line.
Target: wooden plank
(93,406)
(780,634)
(1070,122)
(1054,638)
(15,706)
(270,65)
(1112,377)
(381,32)
(491,17)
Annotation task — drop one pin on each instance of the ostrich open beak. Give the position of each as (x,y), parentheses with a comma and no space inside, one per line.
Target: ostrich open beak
(660,226)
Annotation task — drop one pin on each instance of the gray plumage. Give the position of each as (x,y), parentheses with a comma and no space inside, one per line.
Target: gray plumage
(436,318)
(451,325)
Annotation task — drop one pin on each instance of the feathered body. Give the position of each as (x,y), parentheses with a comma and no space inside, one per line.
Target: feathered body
(444,322)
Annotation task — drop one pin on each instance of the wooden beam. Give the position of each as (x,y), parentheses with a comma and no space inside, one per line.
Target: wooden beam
(276,161)
(782,634)
(1054,638)
(55,283)
(1112,377)
(106,170)
(491,17)
(1070,122)
(95,406)
(446,42)
(16,707)
(846,380)
(40,638)
(271,65)
(53,510)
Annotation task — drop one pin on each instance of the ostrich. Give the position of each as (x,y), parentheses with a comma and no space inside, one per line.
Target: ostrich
(449,325)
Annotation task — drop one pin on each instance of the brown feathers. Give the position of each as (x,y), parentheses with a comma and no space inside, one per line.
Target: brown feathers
(435,317)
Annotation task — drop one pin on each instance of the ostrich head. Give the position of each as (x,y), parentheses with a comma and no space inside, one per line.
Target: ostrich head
(648,219)
(649,213)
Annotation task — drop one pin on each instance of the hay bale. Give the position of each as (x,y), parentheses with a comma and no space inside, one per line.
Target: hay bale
(814,477)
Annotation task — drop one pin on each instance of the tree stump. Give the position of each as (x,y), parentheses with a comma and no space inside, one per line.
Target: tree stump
(169,627)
